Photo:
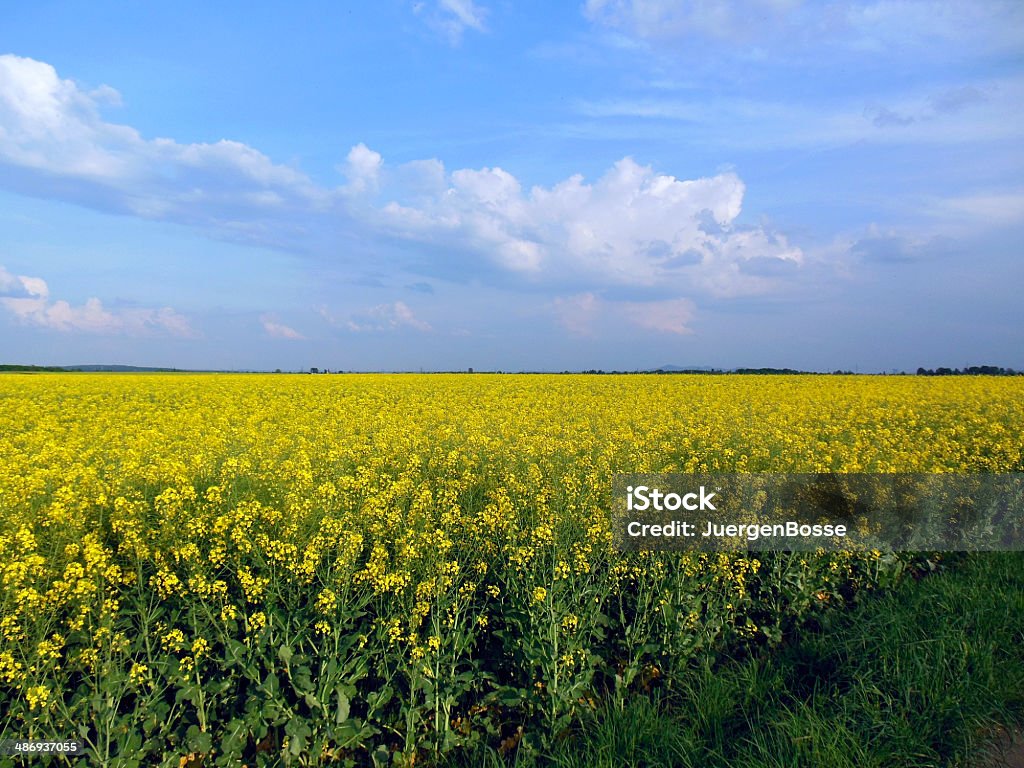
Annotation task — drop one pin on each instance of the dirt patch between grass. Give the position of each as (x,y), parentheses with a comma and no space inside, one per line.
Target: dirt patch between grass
(1005,751)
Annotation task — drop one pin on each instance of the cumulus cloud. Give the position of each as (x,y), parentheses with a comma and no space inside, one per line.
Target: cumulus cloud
(276,330)
(452,18)
(54,140)
(632,226)
(362,167)
(28,299)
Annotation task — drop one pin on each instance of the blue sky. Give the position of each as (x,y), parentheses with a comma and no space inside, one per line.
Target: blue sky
(443,184)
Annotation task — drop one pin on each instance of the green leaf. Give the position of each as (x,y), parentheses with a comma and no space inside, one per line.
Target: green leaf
(302,679)
(378,699)
(198,741)
(131,744)
(298,735)
(235,738)
(381,756)
(188,693)
(343,707)
(271,684)
(346,733)
(511,698)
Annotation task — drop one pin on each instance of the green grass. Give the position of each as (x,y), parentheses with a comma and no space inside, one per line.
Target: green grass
(915,677)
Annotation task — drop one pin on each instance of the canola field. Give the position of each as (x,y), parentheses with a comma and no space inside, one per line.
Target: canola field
(221,570)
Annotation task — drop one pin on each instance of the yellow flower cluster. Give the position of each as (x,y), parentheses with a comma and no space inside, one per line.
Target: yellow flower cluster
(440,497)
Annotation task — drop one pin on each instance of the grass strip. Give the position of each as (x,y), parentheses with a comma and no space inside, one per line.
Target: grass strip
(921,676)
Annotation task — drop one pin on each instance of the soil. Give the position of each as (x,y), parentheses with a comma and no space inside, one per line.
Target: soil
(1005,751)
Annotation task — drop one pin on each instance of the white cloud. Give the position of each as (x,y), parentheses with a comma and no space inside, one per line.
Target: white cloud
(362,167)
(385,317)
(28,299)
(632,226)
(465,12)
(276,330)
(21,286)
(52,132)
(452,18)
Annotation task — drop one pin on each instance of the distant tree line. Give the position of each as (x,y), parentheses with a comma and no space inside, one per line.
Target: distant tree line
(762,371)
(716,371)
(974,370)
(33,368)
